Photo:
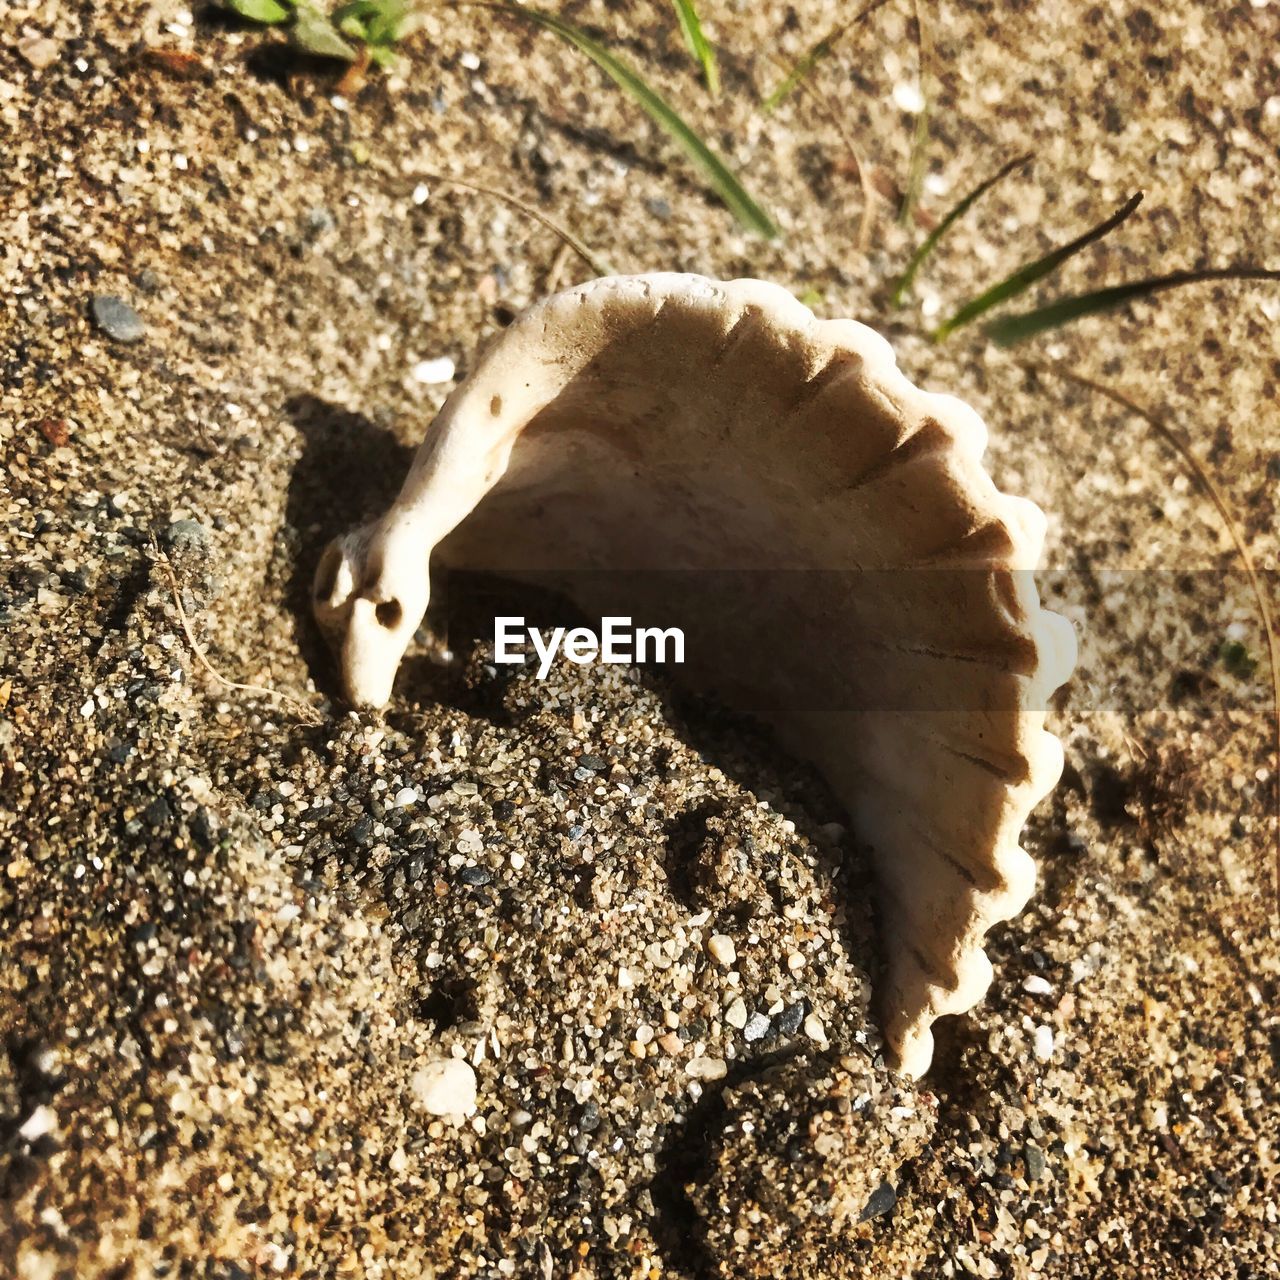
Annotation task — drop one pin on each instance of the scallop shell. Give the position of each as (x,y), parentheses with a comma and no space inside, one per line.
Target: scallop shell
(824,530)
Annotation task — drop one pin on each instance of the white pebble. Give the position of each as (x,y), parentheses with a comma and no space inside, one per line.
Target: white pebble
(469,61)
(707,1068)
(625,982)
(40,1122)
(814,1029)
(795,962)
(722,950)
(907,97)
(432,372)
(405,796)
(1034,985)
(421,193)
(1044,1043)
(446,1087)
(736,1014)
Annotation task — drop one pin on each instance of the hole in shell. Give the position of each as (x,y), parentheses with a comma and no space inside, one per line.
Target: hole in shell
(495,406)
(389,614)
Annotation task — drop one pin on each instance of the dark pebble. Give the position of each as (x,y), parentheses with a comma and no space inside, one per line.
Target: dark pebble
(883,1198)
(158,812)
(589,1119)
(594,764)
(1034,1159)
(117,319)
(474,875)
(787,1023)
(186,535)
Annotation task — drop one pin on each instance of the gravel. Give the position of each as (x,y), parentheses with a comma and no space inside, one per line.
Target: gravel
(215,992)
(117,319)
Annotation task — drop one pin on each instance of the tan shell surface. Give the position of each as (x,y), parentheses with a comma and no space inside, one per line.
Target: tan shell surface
(711,456)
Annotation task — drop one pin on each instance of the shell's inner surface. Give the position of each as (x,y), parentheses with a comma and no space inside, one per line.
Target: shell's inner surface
(712,457)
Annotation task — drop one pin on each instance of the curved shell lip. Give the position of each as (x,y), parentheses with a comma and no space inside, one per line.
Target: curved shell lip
(1012,531)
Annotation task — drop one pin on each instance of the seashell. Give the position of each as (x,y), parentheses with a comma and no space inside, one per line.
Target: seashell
(824,530)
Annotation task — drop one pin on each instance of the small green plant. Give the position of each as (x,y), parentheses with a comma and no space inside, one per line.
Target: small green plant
(957,212)
(369,30)
(1006,331)
(1025,277)
(725,185)
(375,26)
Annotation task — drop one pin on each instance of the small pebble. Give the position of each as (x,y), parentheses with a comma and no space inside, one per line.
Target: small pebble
(433,372)
(117,319)
(814,1029)
(1044,1043)
(736,1014)
(788,1021)
(39,51)
(756,1029)
(722,950)
(41,1122)
(707,1068)
(1035,985)
(446,1087)
(185,535)
(883,1198)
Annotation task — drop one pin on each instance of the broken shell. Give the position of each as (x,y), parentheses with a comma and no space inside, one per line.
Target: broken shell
(824,532)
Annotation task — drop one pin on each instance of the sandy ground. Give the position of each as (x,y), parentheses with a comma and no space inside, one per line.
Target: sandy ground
(216,992)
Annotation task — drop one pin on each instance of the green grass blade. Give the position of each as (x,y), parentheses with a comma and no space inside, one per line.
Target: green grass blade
(1008,330)
(916,165)
(699,45)
(1025,277)
(956,213)
(815,55)
(725,185)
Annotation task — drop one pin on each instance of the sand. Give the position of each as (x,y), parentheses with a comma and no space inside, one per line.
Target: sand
(217,984)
